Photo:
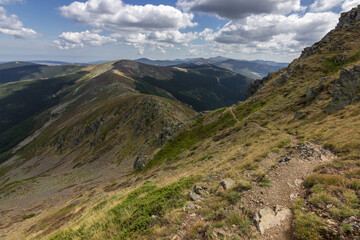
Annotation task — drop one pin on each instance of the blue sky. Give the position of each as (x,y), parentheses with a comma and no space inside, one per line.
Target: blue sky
(84,31)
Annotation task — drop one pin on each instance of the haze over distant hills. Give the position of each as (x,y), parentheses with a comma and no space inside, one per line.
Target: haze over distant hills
(253,69)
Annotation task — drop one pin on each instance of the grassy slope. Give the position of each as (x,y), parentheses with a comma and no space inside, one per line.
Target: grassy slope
(12,72)
(19,108)
(266,125)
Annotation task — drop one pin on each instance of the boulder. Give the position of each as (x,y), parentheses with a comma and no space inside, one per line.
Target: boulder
(267,218)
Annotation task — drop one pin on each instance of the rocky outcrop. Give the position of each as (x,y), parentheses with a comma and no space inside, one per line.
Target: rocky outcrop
(347,19)
(346,89)
(256,85)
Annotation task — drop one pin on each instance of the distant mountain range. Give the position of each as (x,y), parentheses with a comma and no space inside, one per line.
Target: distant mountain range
(253,69)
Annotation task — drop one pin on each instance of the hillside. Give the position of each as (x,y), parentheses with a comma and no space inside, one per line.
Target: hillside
(17,71)
(117,164)
(203,87)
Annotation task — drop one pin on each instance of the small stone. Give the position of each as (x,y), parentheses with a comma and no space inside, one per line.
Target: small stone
(293,196)
(330,222)
(189,207)
(298,182)
(220,189)
(227,184)
(193,196)
(284,160)
(192,215)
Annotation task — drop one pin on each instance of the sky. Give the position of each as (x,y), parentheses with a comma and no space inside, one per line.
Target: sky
(95,30)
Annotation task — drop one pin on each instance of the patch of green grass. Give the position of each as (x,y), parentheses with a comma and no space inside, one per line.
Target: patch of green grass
(133,217)
(265,182)
(244,110)
(335,63)
(189,139)
(242,222)
(31,215)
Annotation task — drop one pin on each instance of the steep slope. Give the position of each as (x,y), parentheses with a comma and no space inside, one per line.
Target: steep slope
(267,149)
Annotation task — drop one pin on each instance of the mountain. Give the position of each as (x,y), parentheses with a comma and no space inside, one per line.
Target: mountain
(251,69)
(203,87)
(162,63)
(16,71)
(108,162)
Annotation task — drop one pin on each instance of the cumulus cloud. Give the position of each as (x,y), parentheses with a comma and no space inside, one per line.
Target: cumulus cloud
(349,4)
(69,40)
(272,33)
(148,27)
(237,9)
(114,15)
(11,25)
(157,40)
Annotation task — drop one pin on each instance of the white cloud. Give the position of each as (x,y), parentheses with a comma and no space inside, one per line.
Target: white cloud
(146,27)
(157,40)
(11,25)
(237,9)
(349,4)
(114,15)
(270,33)
(69,40)
(324,5)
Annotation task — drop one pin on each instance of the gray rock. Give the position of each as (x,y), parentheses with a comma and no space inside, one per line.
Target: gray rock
(227,184)
(346,89)
(267,218)
(311,93)
(193,196)
(256,85)
(284,160)
(139,163)
(347,19)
